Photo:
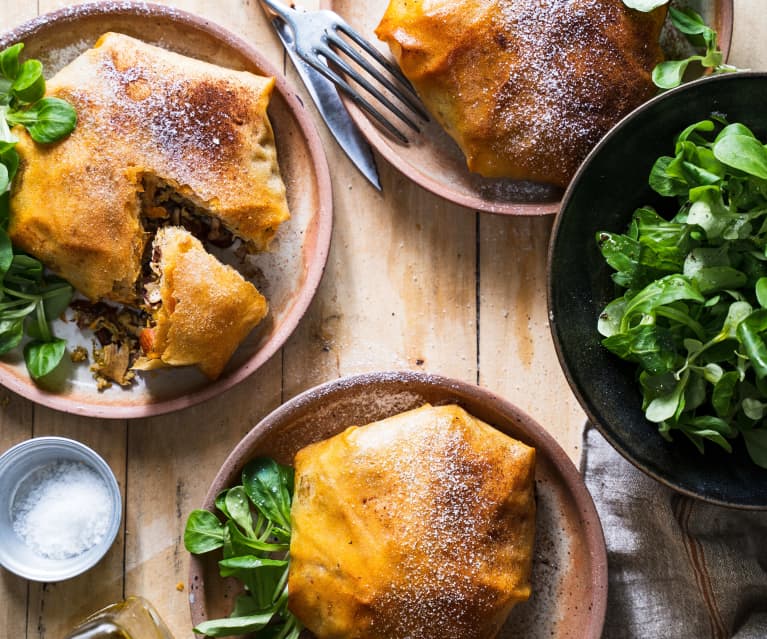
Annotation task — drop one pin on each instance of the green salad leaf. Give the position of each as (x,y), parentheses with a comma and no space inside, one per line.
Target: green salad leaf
(43,356)
(669,73)
(692,313)
(29,299)
(29,85)
(269,485)
(9,65)
(46,120)
(22,91)
(255,540)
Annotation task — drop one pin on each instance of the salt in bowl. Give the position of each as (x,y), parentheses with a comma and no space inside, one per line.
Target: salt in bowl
(60,508)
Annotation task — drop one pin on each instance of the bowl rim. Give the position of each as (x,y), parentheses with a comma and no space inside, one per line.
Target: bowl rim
(724,16)
(17,453)
(297,405)
(586,404)
(313,271)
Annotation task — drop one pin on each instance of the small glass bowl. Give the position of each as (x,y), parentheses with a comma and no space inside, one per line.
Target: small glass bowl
(18,464)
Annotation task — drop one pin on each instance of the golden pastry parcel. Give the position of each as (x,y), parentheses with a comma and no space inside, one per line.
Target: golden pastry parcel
(162,140)
(420,525)
(525,87)
(198,297)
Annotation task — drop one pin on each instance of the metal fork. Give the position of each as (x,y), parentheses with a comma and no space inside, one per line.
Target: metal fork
(319,43)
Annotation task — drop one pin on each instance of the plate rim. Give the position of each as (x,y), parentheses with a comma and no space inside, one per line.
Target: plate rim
(583,502)
(323,220)
(724,10)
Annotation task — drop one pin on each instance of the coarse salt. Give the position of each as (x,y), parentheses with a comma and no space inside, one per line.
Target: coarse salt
(62,510)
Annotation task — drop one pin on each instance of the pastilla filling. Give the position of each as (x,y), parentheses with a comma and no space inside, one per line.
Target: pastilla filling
(127,337)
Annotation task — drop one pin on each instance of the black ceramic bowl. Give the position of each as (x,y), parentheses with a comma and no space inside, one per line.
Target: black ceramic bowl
(609,186)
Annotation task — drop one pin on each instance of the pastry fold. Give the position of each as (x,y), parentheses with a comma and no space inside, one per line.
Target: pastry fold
(205,308)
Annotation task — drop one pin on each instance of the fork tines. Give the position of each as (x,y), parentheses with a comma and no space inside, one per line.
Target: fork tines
(398,95)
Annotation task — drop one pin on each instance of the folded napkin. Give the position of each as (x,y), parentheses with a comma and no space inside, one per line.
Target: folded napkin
(679,568)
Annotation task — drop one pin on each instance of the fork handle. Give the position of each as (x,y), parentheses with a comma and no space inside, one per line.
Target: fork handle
(276,8)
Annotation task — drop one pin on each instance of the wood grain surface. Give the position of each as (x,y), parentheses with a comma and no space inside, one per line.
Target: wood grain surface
(412,282)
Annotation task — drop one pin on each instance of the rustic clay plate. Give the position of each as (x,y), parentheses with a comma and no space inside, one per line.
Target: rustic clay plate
(288,274)
(435,162)
(570,563)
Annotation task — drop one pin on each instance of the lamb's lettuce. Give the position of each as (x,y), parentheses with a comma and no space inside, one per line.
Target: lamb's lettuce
(692,313)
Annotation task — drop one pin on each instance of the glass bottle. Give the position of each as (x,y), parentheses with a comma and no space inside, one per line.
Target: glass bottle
(134,618)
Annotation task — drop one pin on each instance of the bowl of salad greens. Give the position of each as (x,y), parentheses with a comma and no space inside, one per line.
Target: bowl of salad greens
(657,288)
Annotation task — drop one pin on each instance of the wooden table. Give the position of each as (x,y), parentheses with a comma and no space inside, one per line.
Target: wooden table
(412,282)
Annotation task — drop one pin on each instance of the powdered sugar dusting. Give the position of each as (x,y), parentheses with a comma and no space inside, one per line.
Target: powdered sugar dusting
(56,59)
(439,594)
(378,403)
(567,74)
(179,117)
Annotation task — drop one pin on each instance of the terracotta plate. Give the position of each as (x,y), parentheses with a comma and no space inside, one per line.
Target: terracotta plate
(288,274)
(570,564)
(436,163)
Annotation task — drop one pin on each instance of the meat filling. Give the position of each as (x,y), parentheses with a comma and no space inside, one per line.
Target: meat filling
(162,206)
(116,339)
(123,334)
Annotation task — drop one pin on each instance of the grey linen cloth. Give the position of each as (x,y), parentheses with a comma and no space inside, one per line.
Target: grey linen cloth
(679,568)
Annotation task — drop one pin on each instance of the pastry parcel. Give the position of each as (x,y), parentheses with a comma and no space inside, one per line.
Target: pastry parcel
(159,136)
(420,525)
(525,87)
(201,309)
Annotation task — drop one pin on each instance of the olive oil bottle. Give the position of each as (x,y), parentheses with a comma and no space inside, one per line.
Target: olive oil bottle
(134,618)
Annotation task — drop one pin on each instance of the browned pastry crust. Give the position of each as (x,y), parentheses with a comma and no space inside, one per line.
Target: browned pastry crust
(144,111)
(206,309)
(418,526)
(525,87)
